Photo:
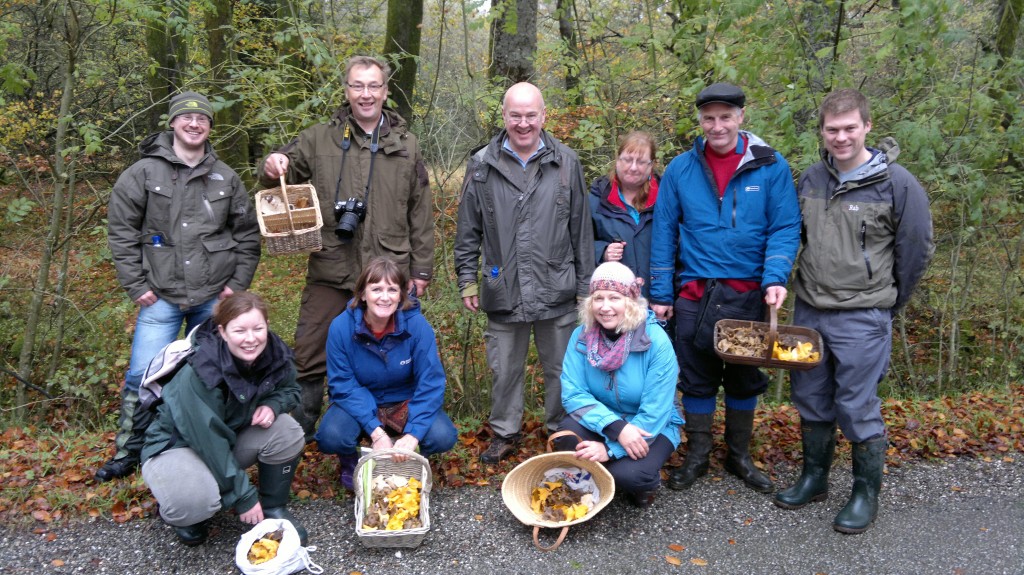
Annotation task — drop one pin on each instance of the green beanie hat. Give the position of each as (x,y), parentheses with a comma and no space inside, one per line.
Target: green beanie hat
(189,103)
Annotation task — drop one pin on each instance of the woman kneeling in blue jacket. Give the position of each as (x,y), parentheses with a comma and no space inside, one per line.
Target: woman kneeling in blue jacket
(384,375)
(619,385)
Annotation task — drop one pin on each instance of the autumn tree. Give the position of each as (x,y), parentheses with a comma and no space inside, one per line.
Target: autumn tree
(513,42)
(402,48)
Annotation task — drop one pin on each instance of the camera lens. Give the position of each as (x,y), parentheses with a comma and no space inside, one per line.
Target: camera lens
(347,226)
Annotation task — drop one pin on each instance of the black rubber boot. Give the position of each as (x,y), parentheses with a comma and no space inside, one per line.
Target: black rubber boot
(819,439)
(641,499)
(698,449)
(307,413)
(193,535)
(861,509)
(739,427)
(275,491)
(131,435)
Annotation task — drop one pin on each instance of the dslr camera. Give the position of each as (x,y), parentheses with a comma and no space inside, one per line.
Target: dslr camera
(348,214)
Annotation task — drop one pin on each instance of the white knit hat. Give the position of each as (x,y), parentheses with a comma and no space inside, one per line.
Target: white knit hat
(615,277)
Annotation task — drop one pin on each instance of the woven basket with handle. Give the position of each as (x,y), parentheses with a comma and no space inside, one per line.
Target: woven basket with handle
(517,489)
(296,229)
(382,463)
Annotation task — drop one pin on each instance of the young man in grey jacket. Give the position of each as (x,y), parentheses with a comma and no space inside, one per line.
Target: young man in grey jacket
(867,240)
(183,234)
(524,251)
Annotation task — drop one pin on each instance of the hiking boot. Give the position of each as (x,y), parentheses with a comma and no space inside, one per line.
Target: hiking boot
(347,464)
(193,535)
(861,509)
(819,446)
(641,499)
(500,448)
(739,427)
(698,450)
(117,468)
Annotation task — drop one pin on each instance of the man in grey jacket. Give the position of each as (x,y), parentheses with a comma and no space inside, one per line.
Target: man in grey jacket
(183,234)
(867,240)
(524,226)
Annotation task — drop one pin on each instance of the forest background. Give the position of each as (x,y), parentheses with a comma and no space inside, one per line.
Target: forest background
(83,81)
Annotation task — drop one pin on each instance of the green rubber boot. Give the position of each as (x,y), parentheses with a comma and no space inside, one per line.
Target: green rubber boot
(698,450)
(275,491)
(861,509)
(819,439)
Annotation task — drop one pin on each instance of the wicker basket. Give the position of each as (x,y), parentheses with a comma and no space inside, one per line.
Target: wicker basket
(295,230)
(517,489)
(379,463)
(786,334)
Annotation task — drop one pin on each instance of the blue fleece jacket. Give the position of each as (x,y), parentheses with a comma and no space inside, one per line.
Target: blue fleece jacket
(752,233)
(641,392)
(364,372)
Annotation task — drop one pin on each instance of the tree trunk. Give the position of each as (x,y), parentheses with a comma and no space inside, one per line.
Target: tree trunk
(513,40)
(567,31)
(233,142)
(166,51)
(402,48)
(1008,13)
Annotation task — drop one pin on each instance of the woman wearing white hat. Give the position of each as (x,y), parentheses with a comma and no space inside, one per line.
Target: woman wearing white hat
(619,385)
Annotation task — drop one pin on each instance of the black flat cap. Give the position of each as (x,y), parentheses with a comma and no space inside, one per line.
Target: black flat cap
(722,92)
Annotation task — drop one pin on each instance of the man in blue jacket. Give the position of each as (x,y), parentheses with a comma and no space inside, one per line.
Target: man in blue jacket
(867,243)
(726,224)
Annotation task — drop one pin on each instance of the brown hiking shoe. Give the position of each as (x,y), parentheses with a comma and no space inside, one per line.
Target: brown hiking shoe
(500,448)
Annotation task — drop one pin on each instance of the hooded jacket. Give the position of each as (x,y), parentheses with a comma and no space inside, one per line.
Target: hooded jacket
(364,373)
(751,233)
(212,398)
(399,221)
(208,229)
(612,223)
(533,240)
(641,392)
(866,242)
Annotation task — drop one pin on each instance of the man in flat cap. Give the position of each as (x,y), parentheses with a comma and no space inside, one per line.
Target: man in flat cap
(726,233)
(183,234)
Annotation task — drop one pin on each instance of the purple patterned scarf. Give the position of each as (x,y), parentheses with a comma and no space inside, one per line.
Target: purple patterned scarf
(602,352)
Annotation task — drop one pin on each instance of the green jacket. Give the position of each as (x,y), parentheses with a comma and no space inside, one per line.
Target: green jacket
(210,236)
(399,216)
(211,399)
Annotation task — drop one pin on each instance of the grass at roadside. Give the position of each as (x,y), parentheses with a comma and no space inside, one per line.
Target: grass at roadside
(47,474)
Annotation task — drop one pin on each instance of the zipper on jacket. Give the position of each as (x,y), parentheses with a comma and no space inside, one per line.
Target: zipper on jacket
(209,208)
(864,247)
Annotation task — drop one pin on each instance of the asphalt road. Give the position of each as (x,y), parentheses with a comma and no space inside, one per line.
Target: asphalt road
(958,518)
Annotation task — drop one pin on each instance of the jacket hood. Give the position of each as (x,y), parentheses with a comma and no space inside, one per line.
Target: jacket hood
(886,153)
(161,145)
(214,364)
(757,149)
(402,318)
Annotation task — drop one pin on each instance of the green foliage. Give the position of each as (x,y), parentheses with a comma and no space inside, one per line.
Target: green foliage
(17,209)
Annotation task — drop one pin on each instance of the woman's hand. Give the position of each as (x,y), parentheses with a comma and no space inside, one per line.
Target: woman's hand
(592,450)
(264,417)
(380,440)
(406,442)
(613,252)
(632,440)
(254,515)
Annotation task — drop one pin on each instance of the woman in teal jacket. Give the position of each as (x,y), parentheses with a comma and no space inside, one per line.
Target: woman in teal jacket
(619,385)
(223,411)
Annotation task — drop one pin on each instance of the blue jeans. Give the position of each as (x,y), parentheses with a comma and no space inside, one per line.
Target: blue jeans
(339,433)
(157,326)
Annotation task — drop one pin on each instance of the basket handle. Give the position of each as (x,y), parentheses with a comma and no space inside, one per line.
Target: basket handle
(773,332)
(561,536)
(557,434)
(287,205)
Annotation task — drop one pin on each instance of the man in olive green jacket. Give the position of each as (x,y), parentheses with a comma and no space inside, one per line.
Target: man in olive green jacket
(375,199)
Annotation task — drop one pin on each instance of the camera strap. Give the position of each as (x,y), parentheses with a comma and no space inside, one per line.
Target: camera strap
(346,143)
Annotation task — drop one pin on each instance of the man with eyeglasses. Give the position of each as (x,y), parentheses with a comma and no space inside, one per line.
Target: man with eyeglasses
(182,234)
(365,153)
(523,254)
(726,233)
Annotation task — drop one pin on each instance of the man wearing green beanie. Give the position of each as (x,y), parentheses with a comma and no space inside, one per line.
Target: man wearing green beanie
(183,234)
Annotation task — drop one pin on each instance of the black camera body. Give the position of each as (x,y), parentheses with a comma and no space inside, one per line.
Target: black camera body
(348,214)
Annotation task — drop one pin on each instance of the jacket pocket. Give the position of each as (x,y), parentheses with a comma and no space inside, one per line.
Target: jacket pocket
(159,264)
(220,257)
(397,247)
(495,291)
(560,284)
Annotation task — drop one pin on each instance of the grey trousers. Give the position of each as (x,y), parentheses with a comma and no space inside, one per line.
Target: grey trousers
(186,490)
(507,346)
(844,387)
